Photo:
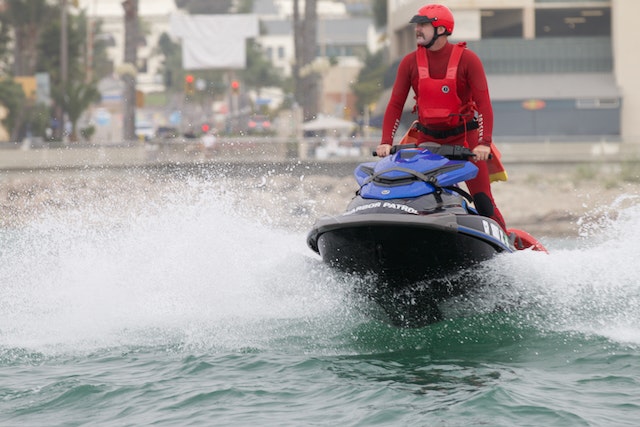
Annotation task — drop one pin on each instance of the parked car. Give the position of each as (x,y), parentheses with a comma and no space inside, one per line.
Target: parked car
(166,132)
(144,131)
(258,124)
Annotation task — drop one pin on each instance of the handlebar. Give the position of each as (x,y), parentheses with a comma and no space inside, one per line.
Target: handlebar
(451,152)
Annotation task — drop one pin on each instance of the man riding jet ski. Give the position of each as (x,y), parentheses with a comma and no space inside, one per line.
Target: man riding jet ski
(413,230)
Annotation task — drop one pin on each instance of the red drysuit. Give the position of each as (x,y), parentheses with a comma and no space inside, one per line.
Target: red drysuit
(470,87)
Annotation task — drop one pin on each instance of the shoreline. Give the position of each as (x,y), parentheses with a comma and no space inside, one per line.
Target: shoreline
(544,200)
(558,205)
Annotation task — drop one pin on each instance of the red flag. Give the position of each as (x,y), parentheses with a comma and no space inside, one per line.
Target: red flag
(497,171)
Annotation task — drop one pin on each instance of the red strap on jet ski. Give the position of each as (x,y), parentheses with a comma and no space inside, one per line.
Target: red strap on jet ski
(524,240)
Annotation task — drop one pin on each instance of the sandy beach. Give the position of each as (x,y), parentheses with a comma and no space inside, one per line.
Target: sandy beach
(545,200)
(548,200)
(562,202)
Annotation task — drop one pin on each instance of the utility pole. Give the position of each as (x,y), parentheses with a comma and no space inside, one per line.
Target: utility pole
(131,69)
(297,46)
(305,42)
(64,60)
(310,83)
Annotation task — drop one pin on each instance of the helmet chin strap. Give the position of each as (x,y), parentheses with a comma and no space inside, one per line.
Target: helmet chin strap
(433,39)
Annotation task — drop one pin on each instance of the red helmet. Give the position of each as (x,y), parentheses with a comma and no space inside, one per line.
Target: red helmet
(439,16)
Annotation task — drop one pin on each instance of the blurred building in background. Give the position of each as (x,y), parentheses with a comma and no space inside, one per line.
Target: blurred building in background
(342,36)
(345,34)
(557,69)
(154,15)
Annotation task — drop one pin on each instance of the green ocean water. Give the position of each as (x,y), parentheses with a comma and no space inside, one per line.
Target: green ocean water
(192,310)
(478,371)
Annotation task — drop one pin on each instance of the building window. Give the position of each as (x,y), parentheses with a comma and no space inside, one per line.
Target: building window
(576,22)
(281,53)
(501,23)
(593,103)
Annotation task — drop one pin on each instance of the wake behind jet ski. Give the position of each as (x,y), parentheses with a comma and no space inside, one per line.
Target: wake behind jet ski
(412,228)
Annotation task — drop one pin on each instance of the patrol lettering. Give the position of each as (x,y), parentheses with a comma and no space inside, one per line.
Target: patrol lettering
(404,208)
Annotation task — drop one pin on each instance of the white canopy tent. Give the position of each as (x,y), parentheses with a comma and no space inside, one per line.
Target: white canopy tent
(328,123)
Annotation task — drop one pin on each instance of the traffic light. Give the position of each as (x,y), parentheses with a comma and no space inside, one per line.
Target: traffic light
(235,87)
(188,84)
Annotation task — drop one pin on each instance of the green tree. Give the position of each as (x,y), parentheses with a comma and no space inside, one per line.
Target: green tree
(5,38)
(28,18)
(48,49)
(245,6)
(102,65)
(79,97)
(171,68)
(36,29)
(69,95)
(13,99)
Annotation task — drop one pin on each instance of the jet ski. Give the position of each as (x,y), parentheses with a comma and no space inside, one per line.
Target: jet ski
(414,232)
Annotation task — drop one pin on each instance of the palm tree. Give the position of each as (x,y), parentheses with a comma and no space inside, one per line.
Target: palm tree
(28,19)
(79,97)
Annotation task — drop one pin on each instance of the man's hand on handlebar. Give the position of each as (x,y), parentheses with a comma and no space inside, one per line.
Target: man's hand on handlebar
(482,152)
(383,150)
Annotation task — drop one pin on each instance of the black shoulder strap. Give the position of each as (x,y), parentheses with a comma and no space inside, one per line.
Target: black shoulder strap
(461,192)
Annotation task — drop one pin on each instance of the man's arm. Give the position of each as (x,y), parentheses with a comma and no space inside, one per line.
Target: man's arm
(480,94)
(399,93)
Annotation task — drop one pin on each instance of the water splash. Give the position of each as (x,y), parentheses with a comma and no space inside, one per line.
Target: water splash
(197,266)
(193,267)
(592,288)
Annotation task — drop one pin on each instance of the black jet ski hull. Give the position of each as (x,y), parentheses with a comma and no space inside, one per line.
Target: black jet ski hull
(409,263)
(403,249)
(410,235)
